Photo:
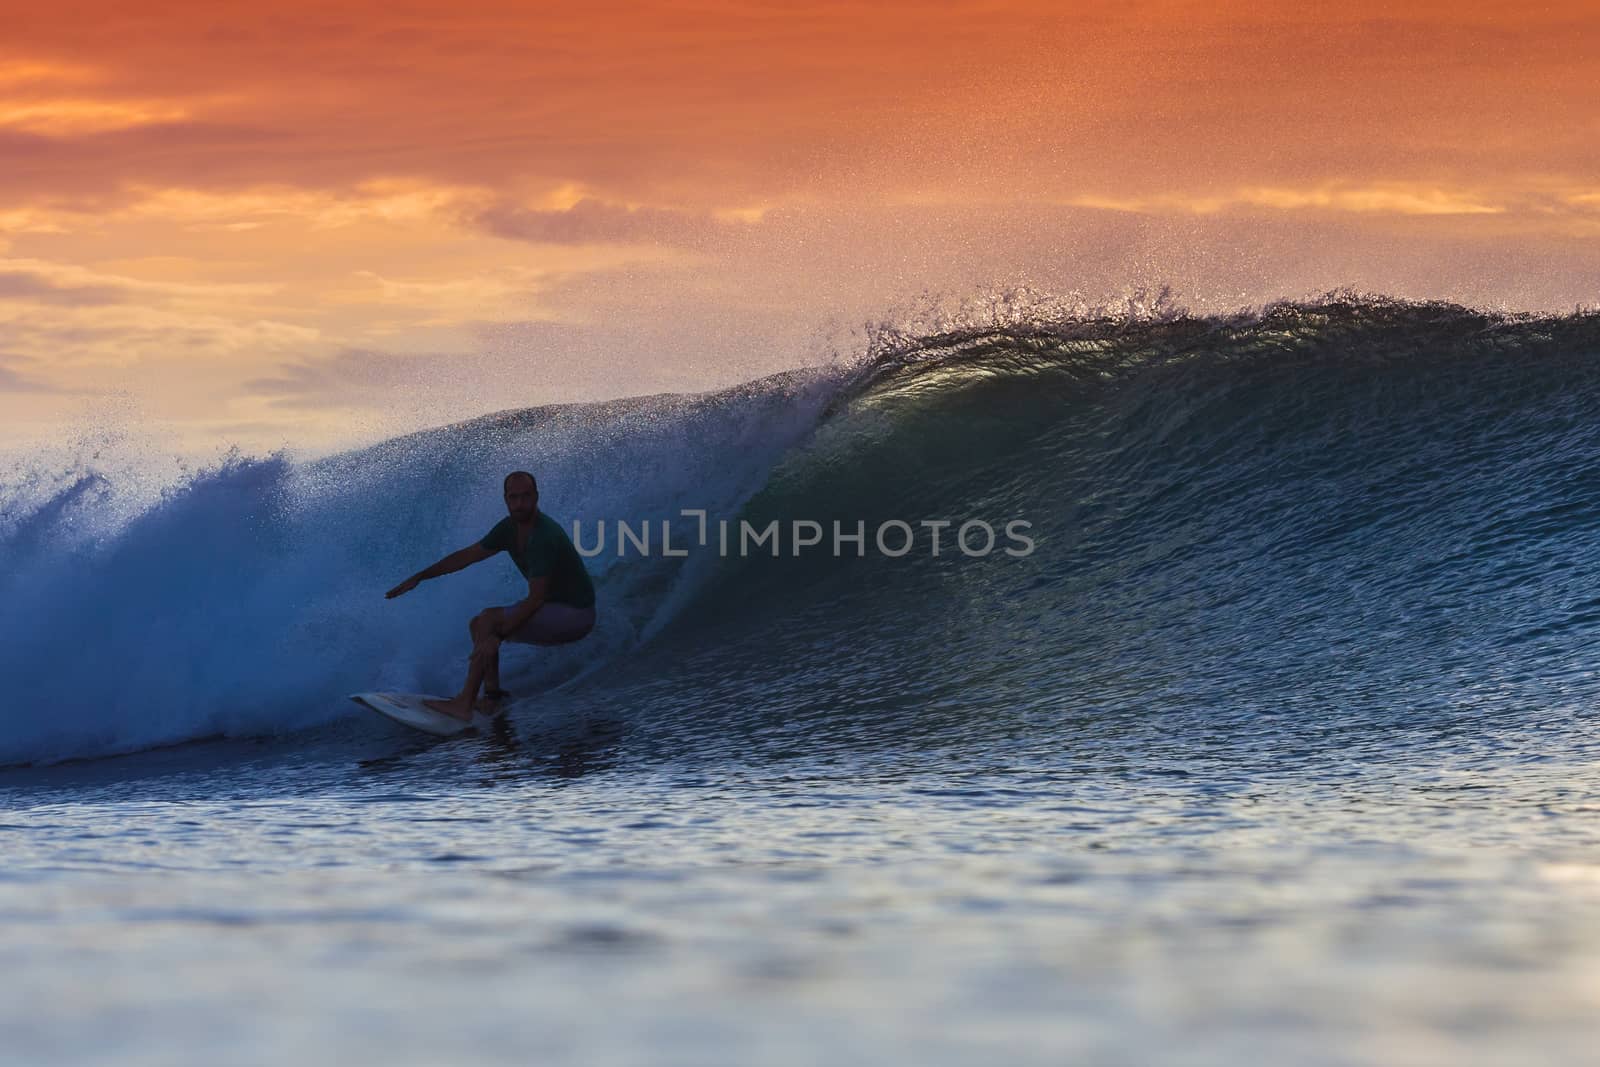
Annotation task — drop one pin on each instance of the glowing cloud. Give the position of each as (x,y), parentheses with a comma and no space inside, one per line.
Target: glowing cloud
(1392,198)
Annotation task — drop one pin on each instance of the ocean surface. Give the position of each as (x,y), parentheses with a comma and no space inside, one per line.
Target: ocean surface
(1264,731)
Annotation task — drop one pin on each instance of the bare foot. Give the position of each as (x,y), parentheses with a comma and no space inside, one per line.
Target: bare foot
(456,709)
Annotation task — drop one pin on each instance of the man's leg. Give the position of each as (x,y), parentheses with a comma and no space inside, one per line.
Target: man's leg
(484,659)
(481,628)
(555,624)
(491,671)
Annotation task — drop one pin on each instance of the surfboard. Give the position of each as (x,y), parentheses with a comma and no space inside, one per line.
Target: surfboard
(408,708)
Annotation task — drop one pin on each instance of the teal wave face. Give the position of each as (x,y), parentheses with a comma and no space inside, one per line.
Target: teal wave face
(1342,522)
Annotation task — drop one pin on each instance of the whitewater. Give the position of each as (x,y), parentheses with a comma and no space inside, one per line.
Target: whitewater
(1277,742)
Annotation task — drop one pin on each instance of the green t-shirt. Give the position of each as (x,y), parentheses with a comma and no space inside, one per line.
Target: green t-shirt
(547,554)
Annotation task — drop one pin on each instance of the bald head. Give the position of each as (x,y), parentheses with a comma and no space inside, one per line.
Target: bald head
(522,496)
(519,478)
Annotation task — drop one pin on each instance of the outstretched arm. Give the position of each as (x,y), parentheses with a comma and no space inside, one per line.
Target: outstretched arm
(455,561)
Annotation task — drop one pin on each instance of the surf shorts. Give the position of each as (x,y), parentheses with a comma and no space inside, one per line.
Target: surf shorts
(553,624)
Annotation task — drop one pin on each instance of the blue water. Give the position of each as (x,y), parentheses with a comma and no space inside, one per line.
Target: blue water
(1277,745)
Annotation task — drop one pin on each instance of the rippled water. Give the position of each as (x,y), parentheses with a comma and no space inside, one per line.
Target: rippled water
(511,898)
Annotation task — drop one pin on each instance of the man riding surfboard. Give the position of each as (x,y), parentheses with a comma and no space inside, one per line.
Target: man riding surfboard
(558,609)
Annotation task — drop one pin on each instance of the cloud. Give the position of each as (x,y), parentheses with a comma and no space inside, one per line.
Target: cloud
(381,200)
(593,221)
(92,342)
(14,381)
(95,170)
(65,117)
(15,74)
(39,288)
(352,377)
(1378,198)
(506,365)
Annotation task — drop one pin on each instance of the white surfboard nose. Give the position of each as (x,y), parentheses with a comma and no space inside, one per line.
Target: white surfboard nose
(409,709)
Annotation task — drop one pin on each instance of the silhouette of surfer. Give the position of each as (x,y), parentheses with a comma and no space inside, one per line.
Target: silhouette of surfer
(558,609)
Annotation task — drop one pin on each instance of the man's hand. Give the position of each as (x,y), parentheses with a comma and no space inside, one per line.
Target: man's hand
(402,589)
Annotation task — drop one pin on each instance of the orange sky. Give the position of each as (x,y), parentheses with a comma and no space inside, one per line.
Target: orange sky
(305,222)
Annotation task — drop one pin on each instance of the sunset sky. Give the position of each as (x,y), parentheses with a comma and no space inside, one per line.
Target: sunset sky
(308,223)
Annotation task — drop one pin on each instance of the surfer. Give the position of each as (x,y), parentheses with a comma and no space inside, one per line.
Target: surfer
(559,607)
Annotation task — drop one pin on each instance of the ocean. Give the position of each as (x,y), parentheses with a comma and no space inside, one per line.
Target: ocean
(1246,711)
